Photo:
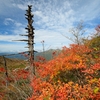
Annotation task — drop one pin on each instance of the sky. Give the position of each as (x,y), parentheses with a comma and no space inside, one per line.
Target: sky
(52,18)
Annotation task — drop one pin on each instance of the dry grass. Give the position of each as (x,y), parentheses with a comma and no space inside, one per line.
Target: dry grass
(14,89)
(13,63)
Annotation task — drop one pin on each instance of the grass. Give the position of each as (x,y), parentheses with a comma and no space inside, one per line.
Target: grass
(15,89)
(13,63)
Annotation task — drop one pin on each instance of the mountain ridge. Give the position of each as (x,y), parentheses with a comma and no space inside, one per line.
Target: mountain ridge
(48,54)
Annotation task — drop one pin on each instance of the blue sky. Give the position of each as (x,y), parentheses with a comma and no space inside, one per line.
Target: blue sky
(51,19)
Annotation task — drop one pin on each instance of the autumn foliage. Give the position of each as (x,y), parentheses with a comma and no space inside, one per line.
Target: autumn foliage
(73,75)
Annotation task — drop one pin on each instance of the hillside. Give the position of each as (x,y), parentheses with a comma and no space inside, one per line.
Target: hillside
(13,63)
(48,55)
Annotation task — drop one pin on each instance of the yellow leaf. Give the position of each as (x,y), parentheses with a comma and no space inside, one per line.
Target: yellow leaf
(96,90)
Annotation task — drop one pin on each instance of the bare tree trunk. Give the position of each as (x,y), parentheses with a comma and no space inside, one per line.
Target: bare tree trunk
(6,71)
(30,29)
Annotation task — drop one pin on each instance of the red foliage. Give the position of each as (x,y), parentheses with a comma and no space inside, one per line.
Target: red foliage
(73,75)
(40,59)
(21,74)
(2,69)
(77,59)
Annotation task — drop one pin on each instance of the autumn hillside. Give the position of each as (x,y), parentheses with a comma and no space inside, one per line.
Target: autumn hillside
(13,63)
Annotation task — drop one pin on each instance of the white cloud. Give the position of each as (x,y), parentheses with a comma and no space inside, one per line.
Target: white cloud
(12,48)
(21,6)
(52,14)
(10,44)
(7,21)
(51,38)
(10,38)
(18,24)
(19,30)
(87,10)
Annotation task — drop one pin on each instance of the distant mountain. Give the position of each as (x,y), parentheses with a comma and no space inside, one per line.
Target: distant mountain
(13,55)
(48,55)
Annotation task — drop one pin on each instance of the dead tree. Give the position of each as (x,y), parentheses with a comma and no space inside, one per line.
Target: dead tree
(6,71)
(77,33)
(30,41)
(30,35)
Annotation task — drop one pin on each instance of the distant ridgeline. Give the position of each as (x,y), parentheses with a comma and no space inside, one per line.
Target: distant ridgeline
(48,55)
(16,56)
